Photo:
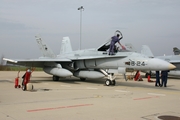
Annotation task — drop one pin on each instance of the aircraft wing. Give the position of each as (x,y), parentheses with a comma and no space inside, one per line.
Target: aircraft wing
(45,61)
(78,57)
(170,58)
(86,58)
(35,62)
(174,61)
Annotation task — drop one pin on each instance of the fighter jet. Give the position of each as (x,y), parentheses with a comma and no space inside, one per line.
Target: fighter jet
(173,59)
(92,63)
(176,51)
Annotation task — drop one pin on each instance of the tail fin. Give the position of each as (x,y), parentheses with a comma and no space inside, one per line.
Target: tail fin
(65,46)
(46,51)
(146,51)
(176,51)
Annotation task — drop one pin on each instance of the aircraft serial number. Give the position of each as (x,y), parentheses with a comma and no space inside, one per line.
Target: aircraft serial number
(137,63)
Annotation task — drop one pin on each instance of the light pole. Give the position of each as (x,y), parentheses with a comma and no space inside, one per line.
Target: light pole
(80,8)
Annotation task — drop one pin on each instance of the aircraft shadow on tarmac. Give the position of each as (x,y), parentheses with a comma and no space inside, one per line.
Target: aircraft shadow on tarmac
(70,81)
(99,82)
(2,81)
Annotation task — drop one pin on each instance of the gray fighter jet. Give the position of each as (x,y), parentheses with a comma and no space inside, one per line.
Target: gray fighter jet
(90,63)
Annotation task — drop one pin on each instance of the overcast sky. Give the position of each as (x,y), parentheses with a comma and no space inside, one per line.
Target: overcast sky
(155,23)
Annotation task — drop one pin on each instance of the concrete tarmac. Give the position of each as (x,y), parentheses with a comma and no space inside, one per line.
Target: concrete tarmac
(72,99)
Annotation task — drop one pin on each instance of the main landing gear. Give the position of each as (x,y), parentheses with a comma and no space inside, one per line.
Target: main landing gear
(55,78)
(110,80)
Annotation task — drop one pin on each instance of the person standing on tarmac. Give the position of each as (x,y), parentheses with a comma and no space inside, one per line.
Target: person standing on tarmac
(157,79)
(114,40)
(164,76)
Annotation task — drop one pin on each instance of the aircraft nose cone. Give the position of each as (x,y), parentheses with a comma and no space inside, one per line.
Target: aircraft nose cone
(158,64)
(171,66)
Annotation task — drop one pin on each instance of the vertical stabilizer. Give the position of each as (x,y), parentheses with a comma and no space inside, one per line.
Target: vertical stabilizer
(46,51)
(176,51)
(146,51)
(65,46)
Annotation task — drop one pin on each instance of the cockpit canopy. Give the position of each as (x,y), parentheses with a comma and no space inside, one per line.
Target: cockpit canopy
(105,47)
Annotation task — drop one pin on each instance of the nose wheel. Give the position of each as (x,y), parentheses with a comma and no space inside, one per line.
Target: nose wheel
(110,82)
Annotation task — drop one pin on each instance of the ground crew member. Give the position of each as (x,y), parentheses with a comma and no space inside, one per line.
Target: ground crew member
(164,76)
(157,79)
(114,40)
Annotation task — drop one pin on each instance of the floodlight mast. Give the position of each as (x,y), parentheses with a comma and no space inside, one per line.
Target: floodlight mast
(81,9)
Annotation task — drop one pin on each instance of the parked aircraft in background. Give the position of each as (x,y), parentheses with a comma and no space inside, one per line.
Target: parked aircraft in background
(173,59)
(176,51)
(90,63)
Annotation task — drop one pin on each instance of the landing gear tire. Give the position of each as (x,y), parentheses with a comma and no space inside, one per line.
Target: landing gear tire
(108,82)
(55,78)
(24,87)
(113,83)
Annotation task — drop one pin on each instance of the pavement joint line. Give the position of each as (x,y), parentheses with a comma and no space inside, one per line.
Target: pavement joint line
(156,94)
(46,83)
(121,91)
(8,116)
(91,88)
(65,85)
(9,79)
